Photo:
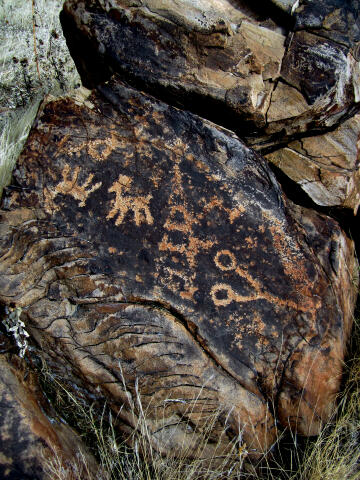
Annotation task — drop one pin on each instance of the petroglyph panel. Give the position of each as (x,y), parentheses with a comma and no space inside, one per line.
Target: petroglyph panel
(177,253)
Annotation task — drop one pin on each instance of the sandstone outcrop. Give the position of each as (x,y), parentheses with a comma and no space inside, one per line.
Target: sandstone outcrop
(154,255)
(31,434)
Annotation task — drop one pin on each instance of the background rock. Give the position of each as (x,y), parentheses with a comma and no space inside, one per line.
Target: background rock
(336,20)
(222,61)
(207,56)
(22,87)
(326,166)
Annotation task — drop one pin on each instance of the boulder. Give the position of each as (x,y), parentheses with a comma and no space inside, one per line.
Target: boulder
(32,436)
(226,61)
(156,259)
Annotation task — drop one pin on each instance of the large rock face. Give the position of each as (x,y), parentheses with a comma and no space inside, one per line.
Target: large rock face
(154,255)
(156,260)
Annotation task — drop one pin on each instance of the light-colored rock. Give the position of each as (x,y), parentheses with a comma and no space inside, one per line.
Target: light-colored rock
(326,166)
(286,102)
(288,6)
(204,16)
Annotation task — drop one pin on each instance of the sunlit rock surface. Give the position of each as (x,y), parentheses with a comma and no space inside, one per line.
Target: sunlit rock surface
(232,62)
(326,166)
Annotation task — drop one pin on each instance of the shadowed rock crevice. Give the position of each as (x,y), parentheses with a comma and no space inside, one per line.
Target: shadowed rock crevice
(345,217)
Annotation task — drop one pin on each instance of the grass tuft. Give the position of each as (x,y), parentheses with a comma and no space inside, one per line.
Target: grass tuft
(133,456)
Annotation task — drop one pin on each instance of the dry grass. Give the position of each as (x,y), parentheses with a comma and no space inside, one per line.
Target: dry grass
(141,461)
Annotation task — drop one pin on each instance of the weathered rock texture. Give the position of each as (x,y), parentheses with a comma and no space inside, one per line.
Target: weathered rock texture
(336,20)
(287,5)
(150,248)
(326,166)
(208,56)
(231,63)
(30,433)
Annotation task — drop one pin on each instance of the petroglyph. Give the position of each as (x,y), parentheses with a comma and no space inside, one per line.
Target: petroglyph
(125,203)
(70,186)
(190,249)
(99,149)
(180,219)
(222,295)
(225,260)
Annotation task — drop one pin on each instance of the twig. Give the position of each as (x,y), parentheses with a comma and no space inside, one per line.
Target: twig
(34,36)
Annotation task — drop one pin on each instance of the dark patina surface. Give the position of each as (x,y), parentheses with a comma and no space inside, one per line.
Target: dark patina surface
(151,248)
